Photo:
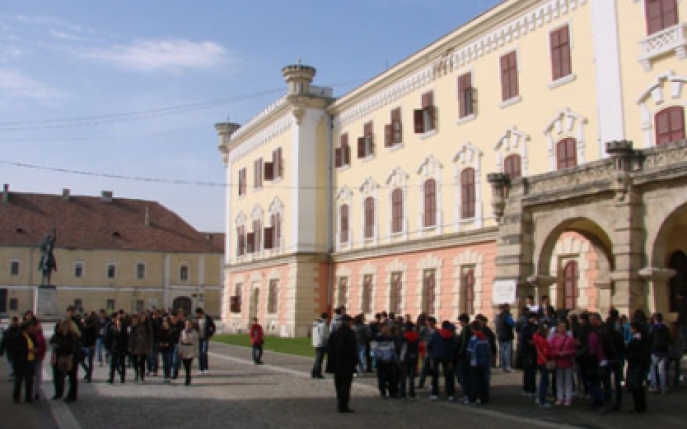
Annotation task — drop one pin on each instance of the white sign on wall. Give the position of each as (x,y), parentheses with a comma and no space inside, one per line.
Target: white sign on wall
(504,291)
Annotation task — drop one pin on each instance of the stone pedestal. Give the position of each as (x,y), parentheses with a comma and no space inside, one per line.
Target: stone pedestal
(45,303)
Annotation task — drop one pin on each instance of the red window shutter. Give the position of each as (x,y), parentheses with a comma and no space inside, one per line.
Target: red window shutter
(431,293)
(465,95)
(467,178)
(427,99)
(663,127)
(570,277)
(235,304)
(419,121)
(269,171)
(361,148)
(388,135)
(397,211)
(505,91)
(396,128)
(512,166)
(276,224)
(670,125)
(430,203)
(555,55)
(343,215)
(240,243)
(677,123)
(660,14)
(368,129)
(509,76)
(566,153)
(250,242)
(369,217)
(469,294)
(337,158)
(269,237)
(566,62)
(396,115)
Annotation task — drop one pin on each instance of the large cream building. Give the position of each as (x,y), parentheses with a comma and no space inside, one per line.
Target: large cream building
(111,253)
(540,146)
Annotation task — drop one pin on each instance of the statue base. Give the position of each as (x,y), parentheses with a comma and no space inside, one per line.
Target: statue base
(45,302)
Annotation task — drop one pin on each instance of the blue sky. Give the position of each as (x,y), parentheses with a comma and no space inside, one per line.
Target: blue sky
(105,87)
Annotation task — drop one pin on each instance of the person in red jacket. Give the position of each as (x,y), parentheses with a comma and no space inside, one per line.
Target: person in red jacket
(256,340)
(544,355)
(41,350)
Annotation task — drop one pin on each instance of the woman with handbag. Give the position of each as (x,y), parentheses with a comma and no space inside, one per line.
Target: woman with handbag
(563,348)
(66,350)
(545,363)
(188,347)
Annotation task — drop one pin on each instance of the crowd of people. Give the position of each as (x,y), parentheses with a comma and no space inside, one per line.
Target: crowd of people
(562,355)
(119,340)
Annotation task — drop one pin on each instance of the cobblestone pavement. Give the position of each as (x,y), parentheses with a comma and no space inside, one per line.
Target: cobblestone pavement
(280,394)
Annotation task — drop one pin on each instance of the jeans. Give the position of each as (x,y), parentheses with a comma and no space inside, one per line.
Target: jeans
(319,358)
(506,355)
(361,358)
(386,378)
(153,363)
(447,367)
(657,374)
(257,353)
(37,376)
(87,362)
(176,362)
(167,362)
(564,384)
(543,387)
(99,346)
(203,354)
(408,370)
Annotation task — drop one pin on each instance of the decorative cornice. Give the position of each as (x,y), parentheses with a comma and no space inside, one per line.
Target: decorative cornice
(257,118)
(275,128)
(453,59)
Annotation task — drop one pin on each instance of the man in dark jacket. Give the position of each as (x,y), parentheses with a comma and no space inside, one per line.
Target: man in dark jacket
(505,336)
(23,360)
(343,356)
(528,355)
(6,347)
(442,347)
(206,329)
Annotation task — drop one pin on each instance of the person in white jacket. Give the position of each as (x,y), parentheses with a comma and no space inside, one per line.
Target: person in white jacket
(320,336)
(188,348)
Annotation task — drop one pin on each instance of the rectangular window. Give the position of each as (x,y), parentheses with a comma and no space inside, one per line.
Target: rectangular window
(425,118)
(140,306)
(397,211)
(396,293)
(343,216)
(366,142)
(111,271)
(467,192)
(369,217)
(466,99)
(430,215)
(78,269)
(560,53)
(14,304)
(429,291)
(242,182)
(78,305)
(183,273)
(110,305)
(257,173)
(509,76)
(660,14)
(240,240)
(257,235)
(342,155)
(274,169)
(140,271)
(14,268)
(367,294)
(393,132)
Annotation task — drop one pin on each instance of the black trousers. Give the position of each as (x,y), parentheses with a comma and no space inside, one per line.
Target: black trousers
(72,376)
(139,362)
(187,369)
(342,382)
(387,380)
(117,363)
(319,358)
(58,381)
(23,374)
(480,383)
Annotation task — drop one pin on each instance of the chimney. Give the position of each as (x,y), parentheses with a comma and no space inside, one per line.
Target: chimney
(106,196)
(147,221)
(66,194)
(6,193)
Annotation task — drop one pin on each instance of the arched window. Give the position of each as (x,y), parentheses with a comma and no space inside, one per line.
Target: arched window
(429,292)
(273,296)
(369,217)
(566,153)
(366,305)
(343,216)
(396,293)
(397,211)
(660,14)
(430,216)
(570,275)
(512,166)
(342,292)
(467,192)
(257,235)
(469,292)
(670,125)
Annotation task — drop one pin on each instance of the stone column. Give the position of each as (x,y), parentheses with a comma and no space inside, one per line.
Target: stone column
(657,293)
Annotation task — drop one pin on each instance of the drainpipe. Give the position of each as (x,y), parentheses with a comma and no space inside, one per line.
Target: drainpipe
(330,214)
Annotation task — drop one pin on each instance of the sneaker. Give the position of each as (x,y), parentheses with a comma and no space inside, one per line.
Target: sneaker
(545,405)
(433,397)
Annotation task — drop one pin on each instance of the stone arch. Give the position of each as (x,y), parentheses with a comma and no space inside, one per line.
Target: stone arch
(566,124)
(666,90)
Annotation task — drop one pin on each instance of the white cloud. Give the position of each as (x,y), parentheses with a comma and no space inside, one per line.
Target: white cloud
(46,20)
(57,34)
(161,55)
(14,84)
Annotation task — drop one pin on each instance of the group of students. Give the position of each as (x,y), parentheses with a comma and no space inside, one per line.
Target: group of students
(581,355)
(122,340)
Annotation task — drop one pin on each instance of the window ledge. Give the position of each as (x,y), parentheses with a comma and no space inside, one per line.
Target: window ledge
(511,101)
(277,180)
(466,119)
(344,167)
(429,228)
(395,147)
(397,234)
(368,158)
(572,77)
(428,134)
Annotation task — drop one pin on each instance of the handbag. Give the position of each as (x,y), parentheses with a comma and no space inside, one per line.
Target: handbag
(65,363)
